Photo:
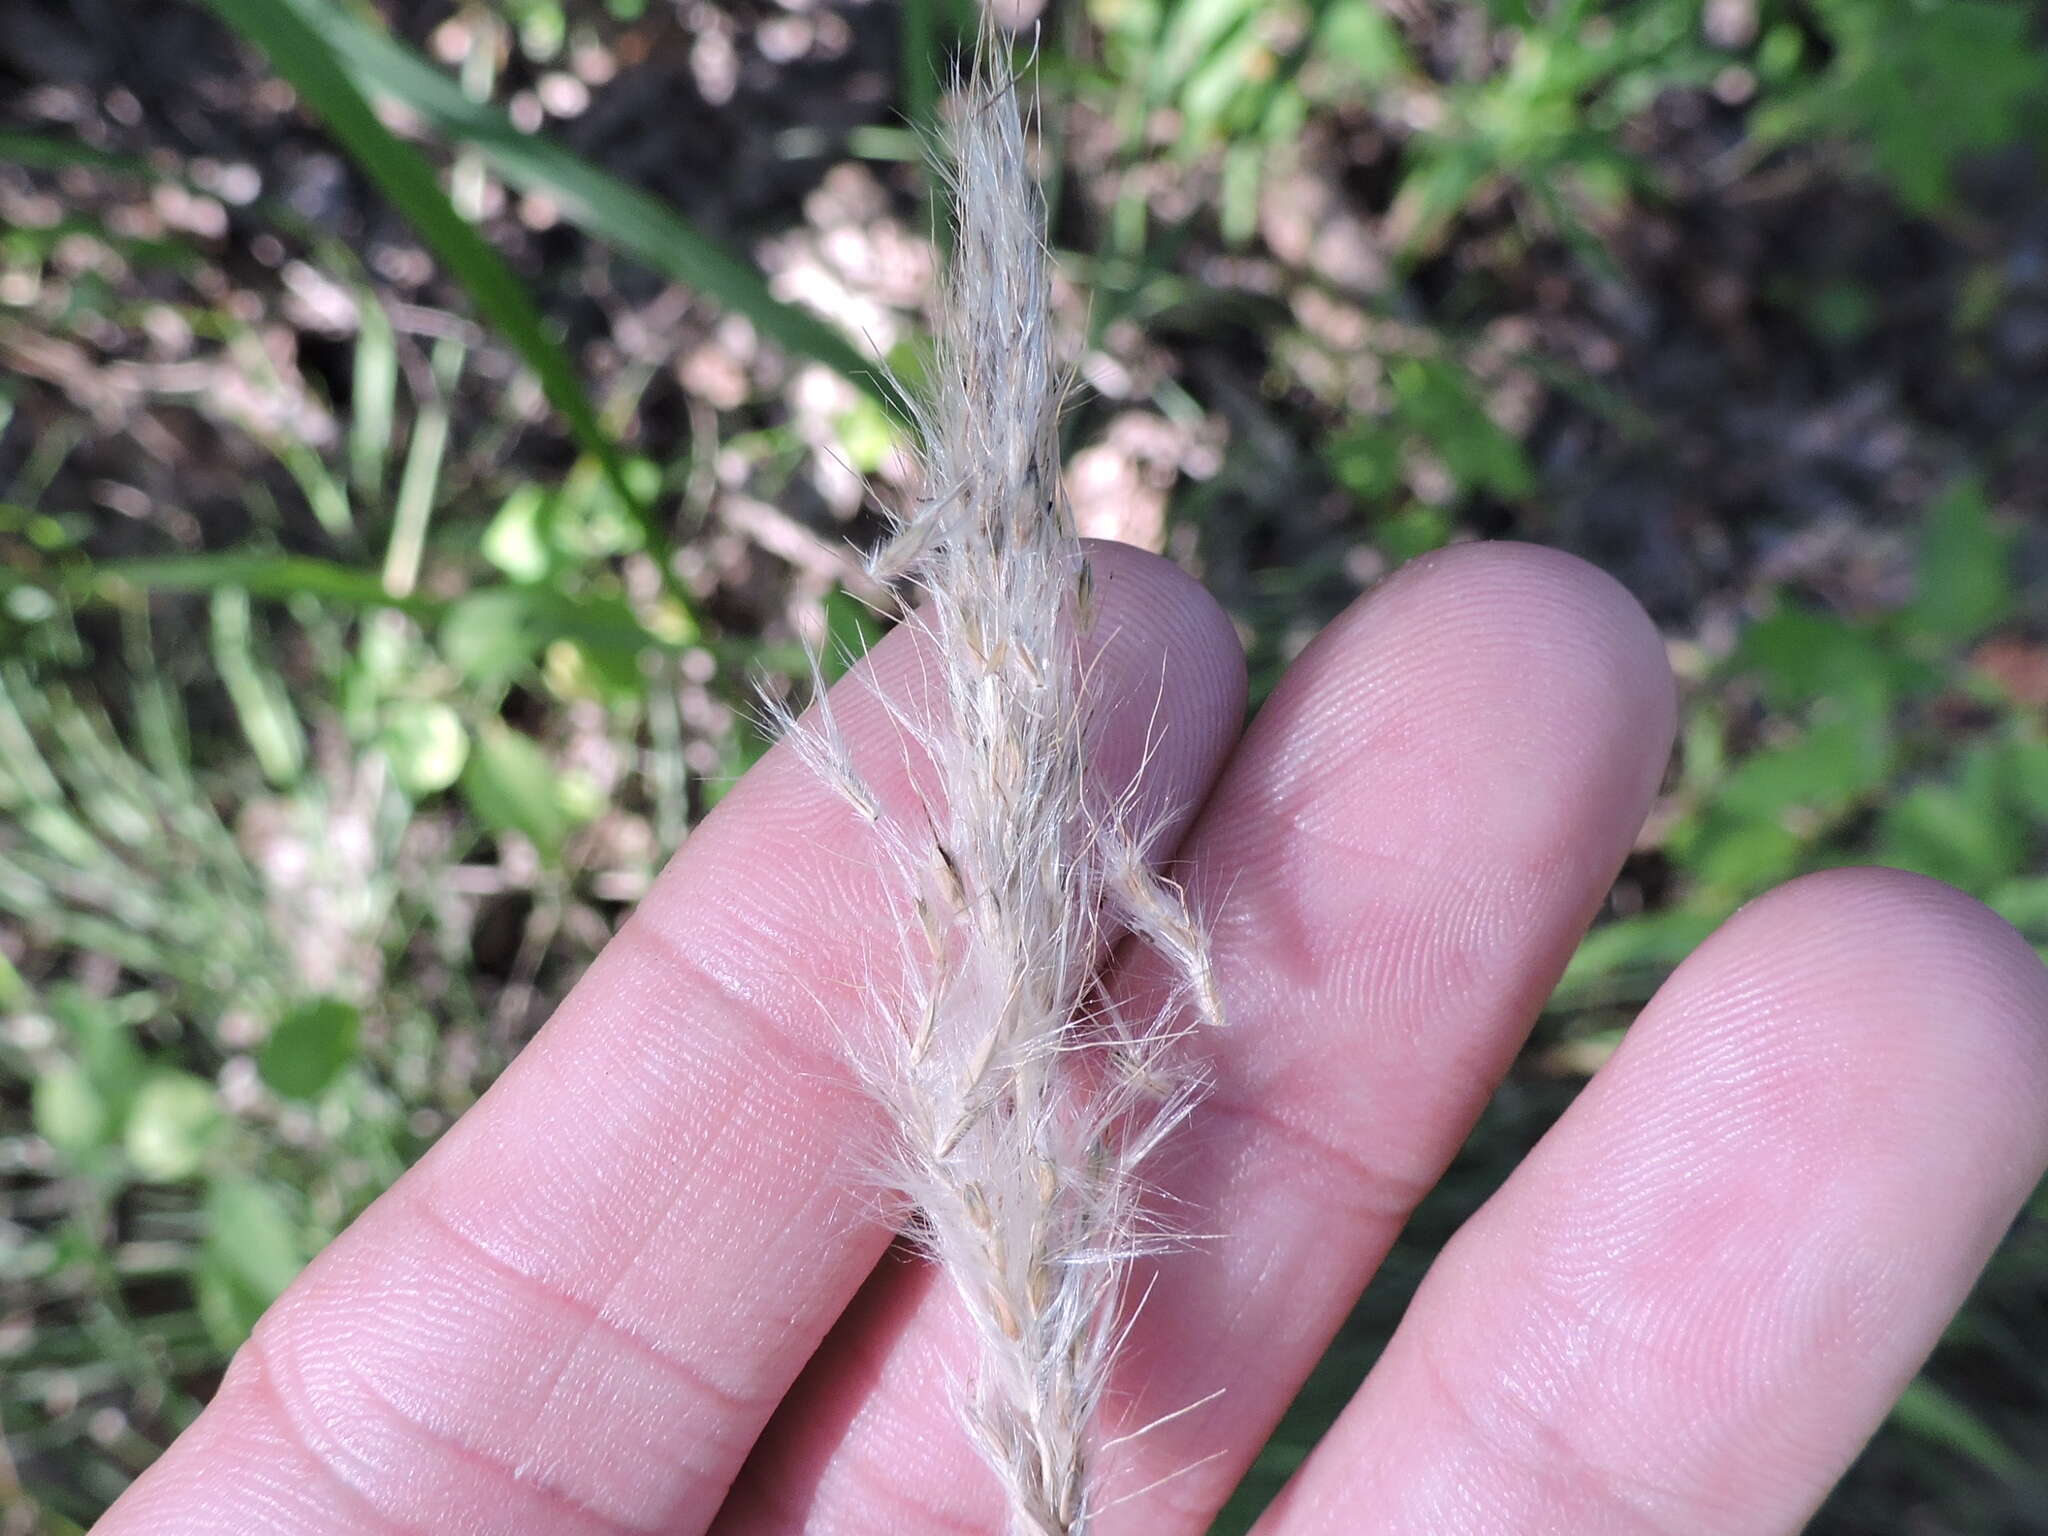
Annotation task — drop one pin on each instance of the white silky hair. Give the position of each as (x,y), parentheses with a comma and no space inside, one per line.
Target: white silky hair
(1025,1103)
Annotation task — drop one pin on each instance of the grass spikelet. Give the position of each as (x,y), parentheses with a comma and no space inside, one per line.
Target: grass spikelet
(1025,1104)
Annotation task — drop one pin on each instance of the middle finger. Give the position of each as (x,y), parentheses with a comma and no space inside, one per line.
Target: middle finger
(1402,854)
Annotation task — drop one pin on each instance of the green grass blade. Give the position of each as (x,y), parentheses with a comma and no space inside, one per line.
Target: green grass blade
(272,729)
(326,495)
(918,85)
(25,776)
(601,205)
(420,481)
(307,60)
(1926,1410)
(260,575)
(47,153)
(373,405)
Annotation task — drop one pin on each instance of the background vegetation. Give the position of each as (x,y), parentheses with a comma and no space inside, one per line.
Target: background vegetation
(423,426)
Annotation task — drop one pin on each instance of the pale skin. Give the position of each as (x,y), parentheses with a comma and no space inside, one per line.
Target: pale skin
(644,1287)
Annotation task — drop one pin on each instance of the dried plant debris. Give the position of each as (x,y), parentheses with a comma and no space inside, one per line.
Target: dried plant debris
(1025,1102)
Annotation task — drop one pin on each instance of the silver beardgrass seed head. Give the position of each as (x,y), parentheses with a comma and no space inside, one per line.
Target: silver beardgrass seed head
(1024,1103)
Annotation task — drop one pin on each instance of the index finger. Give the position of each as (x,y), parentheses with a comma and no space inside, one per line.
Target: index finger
(577,1312)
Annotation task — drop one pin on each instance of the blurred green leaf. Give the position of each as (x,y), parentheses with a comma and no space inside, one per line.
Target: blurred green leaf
(586,521)
(42,243)
(2023,903)
(172,1124)
(1917,85)
(851,630)
(1360,38)
(1927,1411)
(300,38)
(867,435)
(425,743)
(918,64)
(1965,583)
(1800,656)
(494,635)
(1645,945)
(516,541)
(1441,179)
(261,575)
(1801,652)
(1548,121)
(1760,818)
(600,204)
(611,675)
(1191,33)
(249,1221)
(1834,762)
(373,394)
(1960,833)
(69,1112)
(1217,93)
(48,152)
(1434,407)
(326,496)
(2026,776)
(539,533)
(543,27)
(100,1035)
(419,477)
(1366,459)
(512,787)
(579,796)
(1738,855)
(261,703)
(310,1047)
(251,1253)
(1412,531)
(1437,402)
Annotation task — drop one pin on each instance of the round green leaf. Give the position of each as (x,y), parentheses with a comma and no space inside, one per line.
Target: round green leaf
(512,787)
(172,1123)
(516,541)
(867,436)
(252,1252)
(309,1048)
(489,636)
(248,1225)
(426,745)
(69,1113)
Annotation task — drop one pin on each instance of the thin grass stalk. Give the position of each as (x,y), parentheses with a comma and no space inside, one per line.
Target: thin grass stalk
(1025,1106)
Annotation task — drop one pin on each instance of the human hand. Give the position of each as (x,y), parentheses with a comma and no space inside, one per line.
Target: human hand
(640,1286)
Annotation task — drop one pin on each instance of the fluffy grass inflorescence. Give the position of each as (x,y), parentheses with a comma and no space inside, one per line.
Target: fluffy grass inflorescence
(1024,1102)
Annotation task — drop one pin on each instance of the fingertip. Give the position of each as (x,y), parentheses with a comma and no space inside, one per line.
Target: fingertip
(1926,991)
(1523,651)
(1863,1053)
(1153,607)
(1886,917)
(1714,1275)
(1510,701)
(1551,603)
(1166,684)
